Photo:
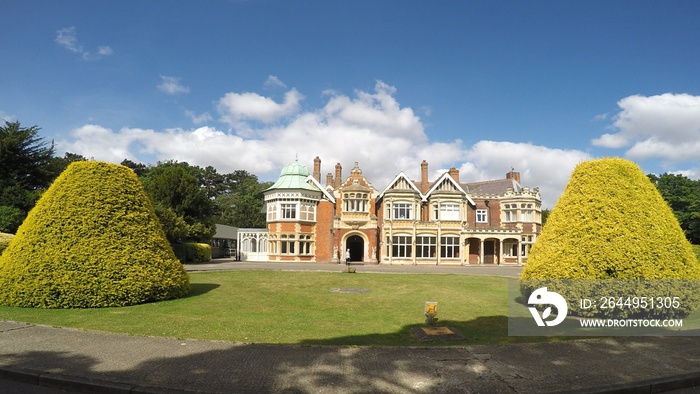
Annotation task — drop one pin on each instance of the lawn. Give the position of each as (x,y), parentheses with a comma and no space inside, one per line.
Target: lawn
(304,308)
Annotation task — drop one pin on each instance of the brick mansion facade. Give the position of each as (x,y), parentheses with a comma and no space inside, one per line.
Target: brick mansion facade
(439,222)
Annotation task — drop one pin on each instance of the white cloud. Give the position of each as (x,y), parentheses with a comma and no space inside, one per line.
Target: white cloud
(665,126)
(241,107)
(171,85)
(274,82)
(198,119)
(539,166)
(369,127)
(67,38)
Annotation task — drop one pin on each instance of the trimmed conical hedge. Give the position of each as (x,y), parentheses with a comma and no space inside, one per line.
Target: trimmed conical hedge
(611,223)
(92,240)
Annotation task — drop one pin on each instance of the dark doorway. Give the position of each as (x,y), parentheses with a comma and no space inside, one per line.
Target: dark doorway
(489,252)
(357,248)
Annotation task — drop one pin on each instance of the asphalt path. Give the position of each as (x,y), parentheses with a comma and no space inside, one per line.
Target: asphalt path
(509,271)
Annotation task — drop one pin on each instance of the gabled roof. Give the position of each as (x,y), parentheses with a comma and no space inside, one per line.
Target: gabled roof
(313,181)
(447,178)
(401,175)
(495,187)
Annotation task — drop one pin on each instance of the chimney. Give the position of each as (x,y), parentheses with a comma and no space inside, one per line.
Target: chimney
(317,169)
(329,179)
(424,176)
(513,175)
(454,173)
(338,175)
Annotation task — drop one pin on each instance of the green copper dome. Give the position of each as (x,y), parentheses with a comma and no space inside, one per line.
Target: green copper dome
(293,176)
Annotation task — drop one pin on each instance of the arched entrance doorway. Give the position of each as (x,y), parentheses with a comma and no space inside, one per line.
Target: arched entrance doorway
(357,248)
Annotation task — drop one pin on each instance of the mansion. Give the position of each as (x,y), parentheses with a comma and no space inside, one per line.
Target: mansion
(439,222)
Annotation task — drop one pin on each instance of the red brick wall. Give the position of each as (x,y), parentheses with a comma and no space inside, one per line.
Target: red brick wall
(324,238)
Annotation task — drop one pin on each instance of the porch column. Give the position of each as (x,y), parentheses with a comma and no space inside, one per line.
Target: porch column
(500,251)
(481,251)
(465,251)
(520,256)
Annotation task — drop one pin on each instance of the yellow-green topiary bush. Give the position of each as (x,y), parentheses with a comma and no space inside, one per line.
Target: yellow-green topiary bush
(192,252)
(92,240)
(610,223)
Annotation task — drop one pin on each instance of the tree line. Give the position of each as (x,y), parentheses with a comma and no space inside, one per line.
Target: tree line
(190,200)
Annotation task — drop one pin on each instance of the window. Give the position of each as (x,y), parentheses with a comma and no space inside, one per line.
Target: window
(287,244)
(273,244)
(449,211)
(401,246)
(449,247)
(271,211)
(511,212)
(510,248)
(481,216)
(308,212)
(402,210)
(355,202)
(526,212)
(289,211)
(425,246)
(305,244)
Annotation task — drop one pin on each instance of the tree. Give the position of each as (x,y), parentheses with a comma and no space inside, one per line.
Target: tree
(611,223)
(175,191)
(25,160)
(244,207)
(683,196)
(10,219)
(139,168)
(93,240)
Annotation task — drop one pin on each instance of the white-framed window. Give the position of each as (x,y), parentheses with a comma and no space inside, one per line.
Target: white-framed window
(511,213)
(526,212)
(449,211)
(449,247)
(401,246)
(355,202)
(482,215)
(425,246)
(288,210)
(308,212)
(510,248)
(402,210)
(271,211)
(526,244)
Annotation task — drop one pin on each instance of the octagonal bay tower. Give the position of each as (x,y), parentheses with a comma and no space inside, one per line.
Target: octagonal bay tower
(311,222)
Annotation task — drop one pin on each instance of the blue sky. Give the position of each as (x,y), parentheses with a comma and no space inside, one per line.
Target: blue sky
(481,86)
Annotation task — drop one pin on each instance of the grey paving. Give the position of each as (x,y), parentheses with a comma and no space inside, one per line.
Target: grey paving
(89,361)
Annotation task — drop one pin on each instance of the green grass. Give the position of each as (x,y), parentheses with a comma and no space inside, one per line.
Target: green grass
(300,308)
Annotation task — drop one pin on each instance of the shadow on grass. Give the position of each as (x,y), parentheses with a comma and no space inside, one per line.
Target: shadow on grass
(197,289)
